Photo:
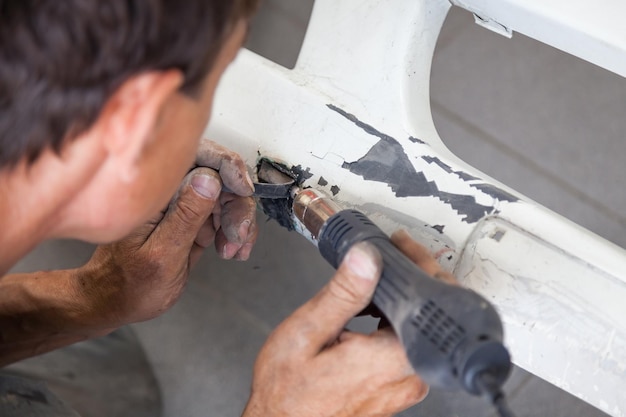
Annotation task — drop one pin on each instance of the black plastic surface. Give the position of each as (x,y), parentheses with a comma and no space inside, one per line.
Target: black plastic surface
(450,333)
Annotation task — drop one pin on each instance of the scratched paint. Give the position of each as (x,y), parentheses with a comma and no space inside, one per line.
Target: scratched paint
(549,311)
(439,228)
(416,140)
(489,189)
(387,162)
(495,192)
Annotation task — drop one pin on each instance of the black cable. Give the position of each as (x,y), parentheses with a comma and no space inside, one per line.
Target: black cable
(491,390)
(501,406)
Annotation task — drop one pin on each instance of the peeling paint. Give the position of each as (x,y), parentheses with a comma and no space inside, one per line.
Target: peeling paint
(300,174)
(447,168)
(498,235)
(466,205)
(465,176)
(461,174)
(439,228)
(335,190)
(489,189)
(416,140)
(322,181)
(367,128)
(387,162)
(438,162)
(495,192)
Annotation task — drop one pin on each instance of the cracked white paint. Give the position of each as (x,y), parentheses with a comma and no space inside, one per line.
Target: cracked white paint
(558,325)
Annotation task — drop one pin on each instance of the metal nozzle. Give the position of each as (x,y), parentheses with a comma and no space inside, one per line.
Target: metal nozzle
(312,208)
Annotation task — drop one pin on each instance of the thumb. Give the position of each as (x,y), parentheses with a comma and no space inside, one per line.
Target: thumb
(323,318)
(190,208)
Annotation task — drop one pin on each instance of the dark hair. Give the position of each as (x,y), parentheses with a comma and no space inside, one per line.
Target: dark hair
(60,60)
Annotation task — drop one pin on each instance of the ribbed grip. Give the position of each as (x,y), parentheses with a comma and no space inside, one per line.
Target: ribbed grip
(450,333)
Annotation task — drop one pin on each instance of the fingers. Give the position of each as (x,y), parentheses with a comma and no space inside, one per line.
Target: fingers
(421,256)
(399,386)
(416,252)
(404,394)
(206,234)
(238,230)
(319,322)
(410,388)
(231,167)
(205,238)
(184,219)
(395,358)
(235,217)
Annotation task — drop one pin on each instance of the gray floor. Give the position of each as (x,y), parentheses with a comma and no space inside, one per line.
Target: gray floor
(545,123)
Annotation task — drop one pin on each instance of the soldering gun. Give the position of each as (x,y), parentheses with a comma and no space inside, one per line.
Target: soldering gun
(452,335)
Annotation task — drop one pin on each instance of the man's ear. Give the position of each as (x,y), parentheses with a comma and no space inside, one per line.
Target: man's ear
(131,115)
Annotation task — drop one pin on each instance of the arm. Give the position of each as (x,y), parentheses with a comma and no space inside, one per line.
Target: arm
(43,311)
(137,278)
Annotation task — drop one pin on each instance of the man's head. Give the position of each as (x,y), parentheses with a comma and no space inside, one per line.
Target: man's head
(134,77)
(61,60)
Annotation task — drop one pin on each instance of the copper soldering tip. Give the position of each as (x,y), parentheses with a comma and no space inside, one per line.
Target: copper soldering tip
(313,207)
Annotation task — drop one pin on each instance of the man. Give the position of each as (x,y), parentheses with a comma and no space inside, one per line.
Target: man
(101,108)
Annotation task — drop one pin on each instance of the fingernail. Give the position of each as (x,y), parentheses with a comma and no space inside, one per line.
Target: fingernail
(403,233)
(206,185)
(361,260)
(243,230)
(230,250)
(250,182)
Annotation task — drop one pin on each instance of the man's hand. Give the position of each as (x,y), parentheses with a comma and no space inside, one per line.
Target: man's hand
(234,218)
(143,275)
(139,277)
(310,366)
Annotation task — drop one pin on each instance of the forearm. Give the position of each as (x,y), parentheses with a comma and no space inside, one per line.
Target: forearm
(42,311)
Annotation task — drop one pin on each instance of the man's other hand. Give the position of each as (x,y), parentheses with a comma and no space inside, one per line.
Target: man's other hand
(234,218)
(311,366)
(143,275)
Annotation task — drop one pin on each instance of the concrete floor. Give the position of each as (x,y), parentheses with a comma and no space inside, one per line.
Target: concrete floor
(539,120)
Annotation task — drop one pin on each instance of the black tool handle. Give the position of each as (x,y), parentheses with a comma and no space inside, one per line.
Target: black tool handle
(451,334)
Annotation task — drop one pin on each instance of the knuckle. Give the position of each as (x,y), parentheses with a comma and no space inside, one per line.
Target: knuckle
(229,156)
(417,391)
(188,213)
(342,291)
(252,227)
(230,230)
(253,231)
(234,158)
